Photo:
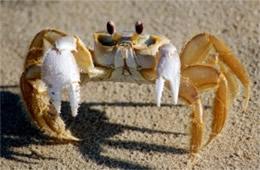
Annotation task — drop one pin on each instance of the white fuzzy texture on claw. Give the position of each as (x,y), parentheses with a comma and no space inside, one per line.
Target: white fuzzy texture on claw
(59,70)
(168,69)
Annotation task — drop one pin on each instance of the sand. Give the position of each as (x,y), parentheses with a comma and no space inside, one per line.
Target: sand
(119,123)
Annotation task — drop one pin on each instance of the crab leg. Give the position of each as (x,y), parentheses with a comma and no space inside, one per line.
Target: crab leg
(189,93)
(197,50)
(168,69)
(204,77)
(233,86)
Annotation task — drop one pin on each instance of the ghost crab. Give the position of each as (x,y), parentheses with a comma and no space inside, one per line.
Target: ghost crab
(56,61)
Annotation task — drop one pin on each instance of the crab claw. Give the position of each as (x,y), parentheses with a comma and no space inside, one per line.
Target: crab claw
(168,70)
(59,70)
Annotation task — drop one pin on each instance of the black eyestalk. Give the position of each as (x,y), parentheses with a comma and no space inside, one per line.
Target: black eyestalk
(111,28)
(139,27)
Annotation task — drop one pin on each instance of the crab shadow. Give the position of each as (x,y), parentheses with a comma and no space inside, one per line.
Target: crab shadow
(16,129)
(91,125)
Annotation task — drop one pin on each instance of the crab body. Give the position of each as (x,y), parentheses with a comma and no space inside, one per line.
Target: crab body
(127,55)
(58,61)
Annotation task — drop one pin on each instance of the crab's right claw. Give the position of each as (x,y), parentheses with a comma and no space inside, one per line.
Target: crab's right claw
(168,70)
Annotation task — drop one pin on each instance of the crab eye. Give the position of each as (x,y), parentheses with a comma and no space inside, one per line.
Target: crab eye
(111,28)
(139,27)
(106,40)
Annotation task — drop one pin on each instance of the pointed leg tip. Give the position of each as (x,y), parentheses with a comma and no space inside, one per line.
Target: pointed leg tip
(74,112)
(245,107)
(210,139)
(72,138)
(57,107)
(67,136)
(244,110)
(191,160)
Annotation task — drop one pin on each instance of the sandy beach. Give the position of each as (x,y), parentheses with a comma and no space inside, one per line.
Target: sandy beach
(119,123)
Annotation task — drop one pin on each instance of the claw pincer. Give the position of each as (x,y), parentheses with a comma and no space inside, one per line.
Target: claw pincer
(168,69)
(60,71)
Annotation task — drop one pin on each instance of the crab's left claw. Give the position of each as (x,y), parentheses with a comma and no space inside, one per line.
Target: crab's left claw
(59,70)
(168,69)
(55,61)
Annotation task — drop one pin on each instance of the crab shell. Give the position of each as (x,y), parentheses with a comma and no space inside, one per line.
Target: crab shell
(128,53)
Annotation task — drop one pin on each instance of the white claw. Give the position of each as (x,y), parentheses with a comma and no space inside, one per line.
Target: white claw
(74,93)
(159,89)
(168,69)
(59,70)
(67,43)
